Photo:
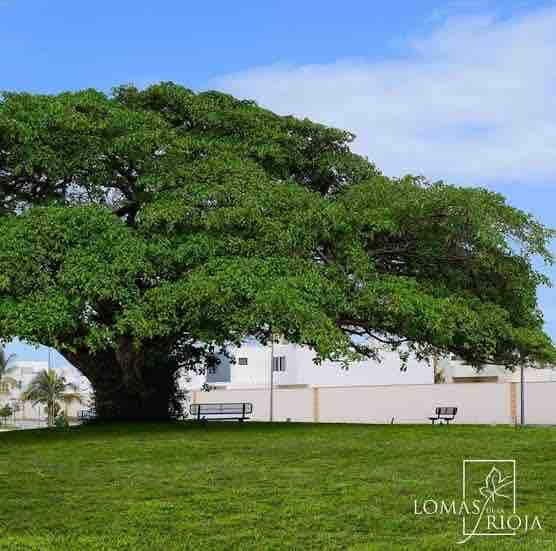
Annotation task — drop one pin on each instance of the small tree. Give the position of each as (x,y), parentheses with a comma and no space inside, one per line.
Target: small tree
(49,389)
(5,412)
(439,377)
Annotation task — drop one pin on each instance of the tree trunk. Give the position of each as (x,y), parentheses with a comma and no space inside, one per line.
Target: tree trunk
(131,385)
(116,400)
(50,413)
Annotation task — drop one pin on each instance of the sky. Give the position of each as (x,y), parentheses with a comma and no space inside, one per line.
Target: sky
(463,91)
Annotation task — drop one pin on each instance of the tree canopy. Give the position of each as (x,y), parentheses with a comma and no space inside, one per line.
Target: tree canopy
(139,228)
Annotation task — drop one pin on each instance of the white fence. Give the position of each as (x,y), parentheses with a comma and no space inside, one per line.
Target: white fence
(480,403)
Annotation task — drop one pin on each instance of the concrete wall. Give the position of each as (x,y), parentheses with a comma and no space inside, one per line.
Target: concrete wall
(540,403)
(485,403)
(295,404)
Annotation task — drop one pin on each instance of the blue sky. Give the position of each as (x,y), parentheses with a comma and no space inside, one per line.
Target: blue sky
(464,91)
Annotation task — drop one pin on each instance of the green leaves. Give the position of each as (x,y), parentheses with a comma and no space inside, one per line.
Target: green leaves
(161,214)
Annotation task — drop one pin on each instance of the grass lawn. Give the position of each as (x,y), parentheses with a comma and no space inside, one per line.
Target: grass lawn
(259,486)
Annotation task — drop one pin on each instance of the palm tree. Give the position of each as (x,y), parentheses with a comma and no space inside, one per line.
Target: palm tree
(5,381)
(49,388)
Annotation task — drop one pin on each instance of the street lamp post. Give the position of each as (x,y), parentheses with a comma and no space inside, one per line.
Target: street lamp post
(271,416)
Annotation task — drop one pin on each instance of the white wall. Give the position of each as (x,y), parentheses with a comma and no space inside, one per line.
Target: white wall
(27,411)
(476,403)
(485,403)
(301,369)
(368,372)
(295,404)
(532,374)
(257,370)
(540,402)
(456,368)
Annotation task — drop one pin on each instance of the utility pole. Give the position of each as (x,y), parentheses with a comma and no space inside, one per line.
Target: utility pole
(271,377)
(522,396)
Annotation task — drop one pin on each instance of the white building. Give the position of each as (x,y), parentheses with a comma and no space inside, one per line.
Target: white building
(249,365)
(23,373)
(455,371)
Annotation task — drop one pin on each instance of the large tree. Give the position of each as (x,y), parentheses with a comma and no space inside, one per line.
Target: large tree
(139,229)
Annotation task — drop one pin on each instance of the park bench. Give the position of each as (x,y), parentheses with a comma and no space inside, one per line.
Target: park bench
(86,414)
(445,414)
(221,412)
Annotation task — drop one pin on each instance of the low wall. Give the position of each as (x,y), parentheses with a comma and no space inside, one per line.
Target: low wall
(295,404)
(540,403)
(29,412)
(477,403)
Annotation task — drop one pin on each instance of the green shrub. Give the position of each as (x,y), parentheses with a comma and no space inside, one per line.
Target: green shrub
(5,412)
(61,421)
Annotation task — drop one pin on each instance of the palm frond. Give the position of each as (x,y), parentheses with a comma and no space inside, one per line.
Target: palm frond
(7,382)
(4,363)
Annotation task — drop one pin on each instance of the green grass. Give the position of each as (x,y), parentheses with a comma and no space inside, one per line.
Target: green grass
(258,486)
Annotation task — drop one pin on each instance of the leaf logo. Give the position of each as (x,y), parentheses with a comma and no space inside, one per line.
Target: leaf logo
(494,483)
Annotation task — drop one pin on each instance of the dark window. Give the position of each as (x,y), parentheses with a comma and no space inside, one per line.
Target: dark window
(279,363)
(242,361)
(480,379)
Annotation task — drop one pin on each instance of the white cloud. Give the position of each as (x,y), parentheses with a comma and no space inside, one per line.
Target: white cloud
(474,101)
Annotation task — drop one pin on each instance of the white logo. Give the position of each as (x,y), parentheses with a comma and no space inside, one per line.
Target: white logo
(488,504)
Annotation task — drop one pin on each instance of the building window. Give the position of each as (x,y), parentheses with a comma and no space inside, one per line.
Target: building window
(279,363)
(211,370)
(242,361)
